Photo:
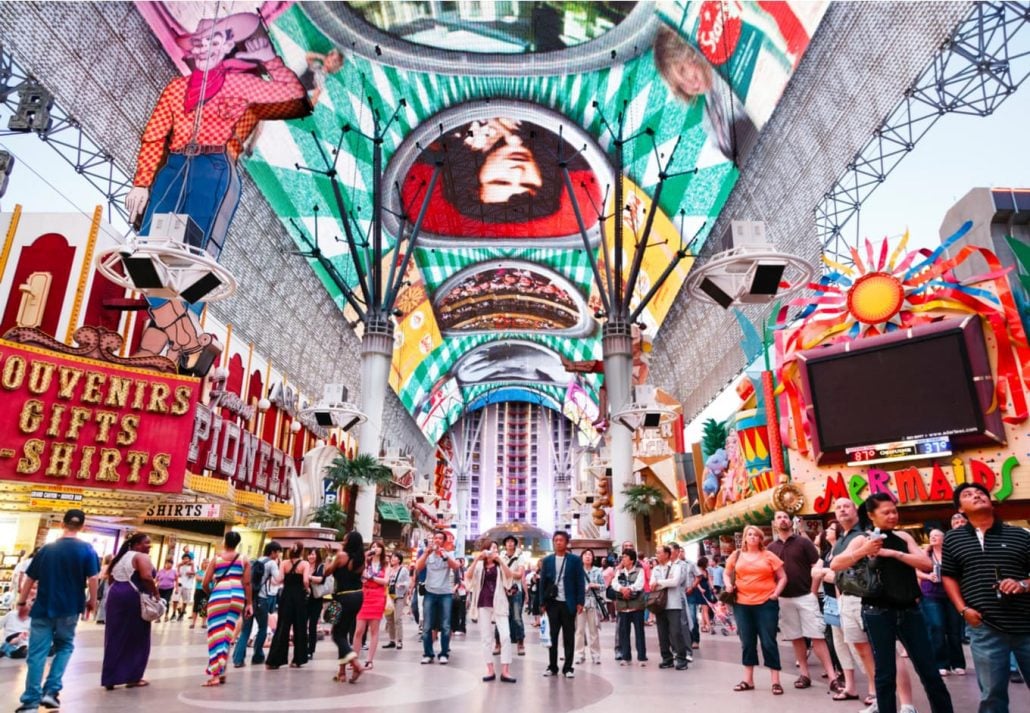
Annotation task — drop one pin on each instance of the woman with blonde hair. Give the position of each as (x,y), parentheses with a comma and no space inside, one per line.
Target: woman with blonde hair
(757,577)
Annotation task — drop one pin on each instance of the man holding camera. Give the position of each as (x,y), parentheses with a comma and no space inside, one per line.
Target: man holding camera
(563,587)
(439,597)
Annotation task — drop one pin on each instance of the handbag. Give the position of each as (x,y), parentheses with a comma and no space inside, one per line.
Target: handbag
(658,601)
(325,587)
(729,598)
(390,607)
(831,611)
(860,580)
(151,608)
(332,613)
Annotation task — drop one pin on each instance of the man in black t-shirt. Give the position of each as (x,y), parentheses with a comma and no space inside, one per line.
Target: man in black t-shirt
(985,568)
(64,569)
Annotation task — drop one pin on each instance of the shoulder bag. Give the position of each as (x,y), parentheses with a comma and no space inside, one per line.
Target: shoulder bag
(325,587)
(151,608)
(860,580)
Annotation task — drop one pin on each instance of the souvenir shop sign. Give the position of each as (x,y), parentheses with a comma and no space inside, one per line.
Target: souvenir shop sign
(184,511)
(71,421)
(915,486)
(230,451)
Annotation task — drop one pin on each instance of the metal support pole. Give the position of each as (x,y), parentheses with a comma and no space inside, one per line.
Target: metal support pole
(376,354)
(617,347)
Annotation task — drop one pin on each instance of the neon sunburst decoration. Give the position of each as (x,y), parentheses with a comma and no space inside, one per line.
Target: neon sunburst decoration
(887,290)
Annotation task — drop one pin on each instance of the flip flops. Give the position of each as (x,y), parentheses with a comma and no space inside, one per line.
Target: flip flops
(744,686)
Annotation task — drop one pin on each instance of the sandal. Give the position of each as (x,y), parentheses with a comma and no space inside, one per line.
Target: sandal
(212,682)
(869,700)
(356,672)
(137,684)
(803,682)
(844,696)
(744,686)
(369,665)
(777,689)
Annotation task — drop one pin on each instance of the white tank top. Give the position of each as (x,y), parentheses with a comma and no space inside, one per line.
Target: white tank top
(123,569)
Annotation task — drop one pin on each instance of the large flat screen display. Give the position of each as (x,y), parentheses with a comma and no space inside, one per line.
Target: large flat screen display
(933,380)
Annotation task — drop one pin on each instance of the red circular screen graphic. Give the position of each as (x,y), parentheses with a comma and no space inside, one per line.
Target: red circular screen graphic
(718,30)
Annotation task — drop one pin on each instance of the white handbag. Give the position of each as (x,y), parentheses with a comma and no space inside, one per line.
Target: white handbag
(151,608)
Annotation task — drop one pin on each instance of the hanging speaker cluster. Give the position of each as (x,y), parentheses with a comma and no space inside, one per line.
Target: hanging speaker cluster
(752,272)
(168,264)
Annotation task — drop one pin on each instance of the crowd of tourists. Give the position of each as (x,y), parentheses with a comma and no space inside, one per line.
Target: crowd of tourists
(864,595)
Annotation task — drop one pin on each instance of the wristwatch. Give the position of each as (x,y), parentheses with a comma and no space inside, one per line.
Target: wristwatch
(1023,585)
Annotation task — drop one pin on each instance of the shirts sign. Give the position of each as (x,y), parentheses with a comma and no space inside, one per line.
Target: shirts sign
(184,511)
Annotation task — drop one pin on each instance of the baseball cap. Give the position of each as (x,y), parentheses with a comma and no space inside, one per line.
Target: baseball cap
(74,517)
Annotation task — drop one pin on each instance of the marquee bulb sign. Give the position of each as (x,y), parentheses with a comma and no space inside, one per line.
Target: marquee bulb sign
(72,421)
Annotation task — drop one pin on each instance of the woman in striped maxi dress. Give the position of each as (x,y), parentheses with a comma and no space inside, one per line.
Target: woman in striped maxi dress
(228,580)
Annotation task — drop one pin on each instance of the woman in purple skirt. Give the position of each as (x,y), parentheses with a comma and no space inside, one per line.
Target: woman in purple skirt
(127,635)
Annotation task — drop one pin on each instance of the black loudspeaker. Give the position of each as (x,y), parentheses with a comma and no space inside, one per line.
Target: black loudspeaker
(716,293)
(196,292)
(350,424)
(142,272)
(766,280)
(324,418)
(652,420)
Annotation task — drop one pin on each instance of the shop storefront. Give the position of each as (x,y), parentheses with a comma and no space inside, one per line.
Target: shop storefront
(882,386)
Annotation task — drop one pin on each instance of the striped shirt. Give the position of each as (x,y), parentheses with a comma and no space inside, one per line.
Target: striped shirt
(1004,554)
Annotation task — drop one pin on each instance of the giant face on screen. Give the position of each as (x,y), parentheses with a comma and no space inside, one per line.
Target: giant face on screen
(510,172)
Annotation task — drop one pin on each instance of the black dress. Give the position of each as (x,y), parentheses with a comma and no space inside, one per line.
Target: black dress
(293,615)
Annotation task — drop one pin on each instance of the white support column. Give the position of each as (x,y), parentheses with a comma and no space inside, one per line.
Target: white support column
(376,353)
(617,346)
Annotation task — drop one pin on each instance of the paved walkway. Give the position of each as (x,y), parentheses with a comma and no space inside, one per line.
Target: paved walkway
(399,683)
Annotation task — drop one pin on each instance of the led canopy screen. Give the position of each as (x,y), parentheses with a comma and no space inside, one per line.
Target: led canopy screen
(514,27)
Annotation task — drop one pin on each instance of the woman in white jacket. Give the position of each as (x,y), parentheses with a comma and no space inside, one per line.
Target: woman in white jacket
(488,580)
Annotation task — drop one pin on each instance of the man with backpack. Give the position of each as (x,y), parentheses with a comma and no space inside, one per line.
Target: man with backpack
(265,579)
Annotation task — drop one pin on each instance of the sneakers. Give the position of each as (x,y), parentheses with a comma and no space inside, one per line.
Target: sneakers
(907,709)
(596,661)
(580,659)
(427,659)
(522,650)
(27,709)
(50,702)
(872,708)
(681,665)
(443,659)
(569,674)
(548,673)
(689,657)
(666,664)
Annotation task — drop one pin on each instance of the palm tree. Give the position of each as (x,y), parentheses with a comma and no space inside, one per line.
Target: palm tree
(351,473)
(640,501)
(332,516)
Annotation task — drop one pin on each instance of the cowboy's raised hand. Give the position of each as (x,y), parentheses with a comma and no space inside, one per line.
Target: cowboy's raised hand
(258,48)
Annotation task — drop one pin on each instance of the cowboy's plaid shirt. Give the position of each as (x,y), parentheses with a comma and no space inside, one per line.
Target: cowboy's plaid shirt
(227,119)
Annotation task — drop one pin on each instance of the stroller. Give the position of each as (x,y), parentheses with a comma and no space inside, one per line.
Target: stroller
(722,617)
